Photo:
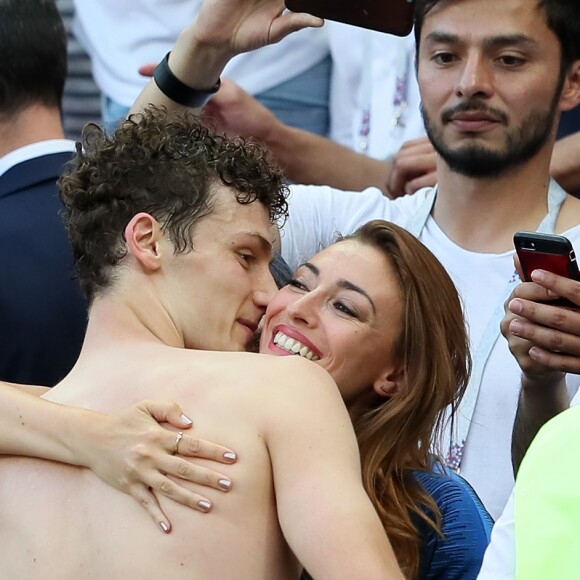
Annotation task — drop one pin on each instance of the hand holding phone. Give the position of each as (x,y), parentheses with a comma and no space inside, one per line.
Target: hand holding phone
(549,252)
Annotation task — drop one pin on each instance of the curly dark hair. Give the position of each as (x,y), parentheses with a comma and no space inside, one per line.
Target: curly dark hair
(163,165)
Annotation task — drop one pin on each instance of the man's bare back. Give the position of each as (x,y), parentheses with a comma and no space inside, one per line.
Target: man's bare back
(63,522)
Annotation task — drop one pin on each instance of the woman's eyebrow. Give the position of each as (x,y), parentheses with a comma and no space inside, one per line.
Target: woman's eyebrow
(350,286)
(343,284)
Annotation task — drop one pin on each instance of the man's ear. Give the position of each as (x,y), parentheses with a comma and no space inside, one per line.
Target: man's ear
(570,96)
(144,240)
(389,382)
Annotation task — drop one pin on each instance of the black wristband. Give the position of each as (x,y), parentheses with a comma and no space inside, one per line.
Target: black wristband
(179,92)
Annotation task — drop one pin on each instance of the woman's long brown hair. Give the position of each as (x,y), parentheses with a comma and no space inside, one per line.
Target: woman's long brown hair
(398,435)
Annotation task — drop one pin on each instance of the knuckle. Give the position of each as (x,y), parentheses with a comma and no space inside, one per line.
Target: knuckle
(145,501)
(166,487)
(193,445)
(152,436)
(141,451)
(559,318)
(574,293)
(555,341)
(184,469)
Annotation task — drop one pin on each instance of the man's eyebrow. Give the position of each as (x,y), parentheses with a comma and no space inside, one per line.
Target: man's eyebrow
(442,37)
(509,40)
(498,41)
(264,243)
(343,284)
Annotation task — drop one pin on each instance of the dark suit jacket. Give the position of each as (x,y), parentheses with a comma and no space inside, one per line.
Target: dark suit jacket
(42,310)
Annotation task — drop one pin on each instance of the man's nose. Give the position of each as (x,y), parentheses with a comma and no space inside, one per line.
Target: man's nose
(476,78)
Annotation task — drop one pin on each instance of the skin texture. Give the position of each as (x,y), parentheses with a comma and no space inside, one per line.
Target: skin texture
(281,493)
(230,299)
(339,303)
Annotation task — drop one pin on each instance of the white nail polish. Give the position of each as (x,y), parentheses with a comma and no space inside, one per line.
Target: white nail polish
(229,455)
(164,527)
(225,483)
(204,504)
(186,420)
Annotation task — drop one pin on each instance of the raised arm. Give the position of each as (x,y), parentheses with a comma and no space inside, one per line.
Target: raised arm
(305,157)
(325,514)
(223,29)
(313,160)
(546,343)
(129,450)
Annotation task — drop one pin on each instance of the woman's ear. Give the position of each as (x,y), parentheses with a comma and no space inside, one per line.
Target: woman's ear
(144,238)
(389,382)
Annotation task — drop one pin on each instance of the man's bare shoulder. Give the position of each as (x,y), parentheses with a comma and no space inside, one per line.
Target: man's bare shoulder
(276,377)
(291,371)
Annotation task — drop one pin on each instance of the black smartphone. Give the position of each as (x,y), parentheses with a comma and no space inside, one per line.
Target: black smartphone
(391,16)
(548,252)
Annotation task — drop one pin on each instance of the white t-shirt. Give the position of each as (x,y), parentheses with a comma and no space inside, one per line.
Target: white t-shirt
(318,214)
(367,68)
(122,35)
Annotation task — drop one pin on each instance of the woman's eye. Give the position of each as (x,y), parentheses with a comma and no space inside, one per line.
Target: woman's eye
(342,307)
(246,257)
(297,284)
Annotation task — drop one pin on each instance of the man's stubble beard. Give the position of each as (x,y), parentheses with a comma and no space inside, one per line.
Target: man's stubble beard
(477,160)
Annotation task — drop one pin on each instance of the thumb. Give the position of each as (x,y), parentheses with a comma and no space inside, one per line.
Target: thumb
(167,413)
(291,22)
(146,70)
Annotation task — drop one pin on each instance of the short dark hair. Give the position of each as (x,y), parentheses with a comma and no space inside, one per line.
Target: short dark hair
(562,17)
(164,165)
(33,55)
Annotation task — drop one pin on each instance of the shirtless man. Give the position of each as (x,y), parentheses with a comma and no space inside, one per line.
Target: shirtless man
(171,232)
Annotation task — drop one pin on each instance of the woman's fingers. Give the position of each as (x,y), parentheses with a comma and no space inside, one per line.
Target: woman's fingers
(192,446)
(166,413)
(149,503)
(183,469)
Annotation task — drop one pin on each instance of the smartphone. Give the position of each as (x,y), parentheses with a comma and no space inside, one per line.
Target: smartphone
(548,252)
(391,16)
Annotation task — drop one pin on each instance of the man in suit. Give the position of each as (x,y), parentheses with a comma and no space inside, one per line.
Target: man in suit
(42,310)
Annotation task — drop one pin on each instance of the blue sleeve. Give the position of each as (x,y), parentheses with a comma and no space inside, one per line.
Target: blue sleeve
(466,528)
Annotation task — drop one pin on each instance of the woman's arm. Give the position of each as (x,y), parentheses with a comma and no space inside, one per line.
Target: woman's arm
(128,449)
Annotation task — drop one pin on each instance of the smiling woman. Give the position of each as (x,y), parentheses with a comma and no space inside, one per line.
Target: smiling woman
(381,315)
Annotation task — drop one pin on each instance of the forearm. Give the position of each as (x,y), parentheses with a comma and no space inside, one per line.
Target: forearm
(313,160)
(38,428)
(538,403)
(198,66)
(565,164)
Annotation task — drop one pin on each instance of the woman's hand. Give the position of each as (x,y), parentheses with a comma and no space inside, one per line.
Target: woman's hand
(132,452)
